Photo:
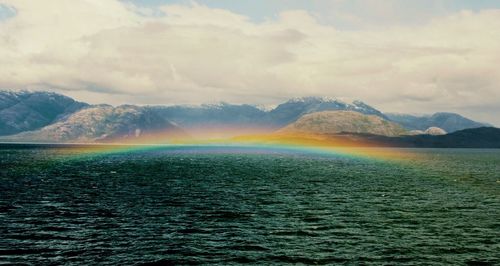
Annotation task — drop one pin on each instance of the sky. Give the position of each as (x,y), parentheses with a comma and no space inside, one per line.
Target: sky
(396,55)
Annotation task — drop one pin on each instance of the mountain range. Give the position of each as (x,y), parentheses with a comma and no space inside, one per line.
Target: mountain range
(25,111)
(27,116)
(104,123)
(249,115)
(449,122)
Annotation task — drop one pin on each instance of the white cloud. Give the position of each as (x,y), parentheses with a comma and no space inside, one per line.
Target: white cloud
(108,51)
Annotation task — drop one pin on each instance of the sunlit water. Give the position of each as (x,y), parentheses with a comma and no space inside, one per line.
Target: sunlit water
(192,205)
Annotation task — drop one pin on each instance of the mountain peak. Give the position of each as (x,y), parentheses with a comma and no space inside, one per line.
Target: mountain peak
(216,105)
(314,99)
(25,92)
(359,103)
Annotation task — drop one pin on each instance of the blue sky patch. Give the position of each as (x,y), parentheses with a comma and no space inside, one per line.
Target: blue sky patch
(6,12)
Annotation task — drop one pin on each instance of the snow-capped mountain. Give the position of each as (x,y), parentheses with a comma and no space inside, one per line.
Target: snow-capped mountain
(293,109)
(25,110)
(51,117)
(103,123)
(249,115)
(211,114)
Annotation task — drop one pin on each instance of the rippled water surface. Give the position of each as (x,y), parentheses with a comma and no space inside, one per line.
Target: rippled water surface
(192,205)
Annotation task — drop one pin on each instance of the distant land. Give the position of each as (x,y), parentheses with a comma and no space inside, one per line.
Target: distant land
(47,117)
(482,138)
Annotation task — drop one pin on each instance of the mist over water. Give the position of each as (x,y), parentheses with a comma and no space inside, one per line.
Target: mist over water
(223,205)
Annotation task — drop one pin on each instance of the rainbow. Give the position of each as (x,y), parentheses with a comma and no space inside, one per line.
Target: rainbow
(259,143)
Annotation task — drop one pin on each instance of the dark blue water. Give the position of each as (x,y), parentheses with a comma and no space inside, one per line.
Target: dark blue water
(223,206)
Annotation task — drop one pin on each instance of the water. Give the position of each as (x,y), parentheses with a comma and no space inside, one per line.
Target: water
(188,205)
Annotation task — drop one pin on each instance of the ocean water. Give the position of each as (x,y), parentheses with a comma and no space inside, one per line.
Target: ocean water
(73,205)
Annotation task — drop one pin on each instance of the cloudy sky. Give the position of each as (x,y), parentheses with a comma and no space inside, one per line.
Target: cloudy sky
(399,56)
